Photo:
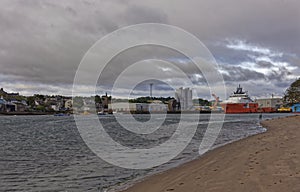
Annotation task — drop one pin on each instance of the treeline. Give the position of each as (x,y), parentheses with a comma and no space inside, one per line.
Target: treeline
(200,101)
(292,94)
(150,99)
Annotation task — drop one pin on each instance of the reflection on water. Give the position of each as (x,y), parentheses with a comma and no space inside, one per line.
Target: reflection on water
(41,153)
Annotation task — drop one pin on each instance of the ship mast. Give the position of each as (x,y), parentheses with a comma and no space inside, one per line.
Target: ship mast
(239,90)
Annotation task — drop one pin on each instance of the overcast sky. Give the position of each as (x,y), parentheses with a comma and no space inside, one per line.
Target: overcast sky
(255,42)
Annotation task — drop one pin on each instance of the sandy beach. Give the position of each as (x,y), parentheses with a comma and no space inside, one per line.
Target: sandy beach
(266,162)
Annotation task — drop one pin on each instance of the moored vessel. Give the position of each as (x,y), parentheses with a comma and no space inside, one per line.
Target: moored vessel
(239,102)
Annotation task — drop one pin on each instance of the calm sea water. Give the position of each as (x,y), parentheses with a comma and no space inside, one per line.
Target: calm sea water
(47,153)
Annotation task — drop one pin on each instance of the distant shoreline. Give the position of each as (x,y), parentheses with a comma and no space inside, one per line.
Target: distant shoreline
(26,113)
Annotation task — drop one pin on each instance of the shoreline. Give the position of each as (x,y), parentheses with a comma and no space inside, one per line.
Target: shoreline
(242,158)
(30,113)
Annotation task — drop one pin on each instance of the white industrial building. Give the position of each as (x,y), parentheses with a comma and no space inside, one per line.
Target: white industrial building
(270,102)
(184,97)
(122,106)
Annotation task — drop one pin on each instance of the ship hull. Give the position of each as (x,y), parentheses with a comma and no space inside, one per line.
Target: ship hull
(267,110)
(240,108)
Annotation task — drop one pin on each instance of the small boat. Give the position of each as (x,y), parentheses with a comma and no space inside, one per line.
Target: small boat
(61,114)
(101,113)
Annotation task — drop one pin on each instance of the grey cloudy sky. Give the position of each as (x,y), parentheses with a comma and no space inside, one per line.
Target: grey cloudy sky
(255,42)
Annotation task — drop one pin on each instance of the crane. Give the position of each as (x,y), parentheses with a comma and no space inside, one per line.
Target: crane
(214,107)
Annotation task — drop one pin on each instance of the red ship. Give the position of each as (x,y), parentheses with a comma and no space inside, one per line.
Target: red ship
(239,102)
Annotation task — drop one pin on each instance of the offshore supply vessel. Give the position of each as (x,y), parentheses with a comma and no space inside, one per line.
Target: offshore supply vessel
(239,102)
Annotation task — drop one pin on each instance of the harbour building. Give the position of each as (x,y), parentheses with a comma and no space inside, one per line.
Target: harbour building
(184,99)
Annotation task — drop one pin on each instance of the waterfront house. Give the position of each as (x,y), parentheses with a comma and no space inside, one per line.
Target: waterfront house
(296,108)
(122,106)
(155,106)
(68,104)
(2,105)
(19,106)
(10,107)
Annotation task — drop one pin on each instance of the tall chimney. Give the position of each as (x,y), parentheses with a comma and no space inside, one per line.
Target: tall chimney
(151,84)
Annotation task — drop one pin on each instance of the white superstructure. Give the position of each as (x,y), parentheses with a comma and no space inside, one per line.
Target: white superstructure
(239,97)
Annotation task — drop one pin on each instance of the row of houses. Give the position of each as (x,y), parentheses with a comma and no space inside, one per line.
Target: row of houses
(53,103)
(10,103)
(13,105)
(13,102)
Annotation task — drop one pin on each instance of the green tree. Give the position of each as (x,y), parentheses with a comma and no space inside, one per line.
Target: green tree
(202,102)
(42,97)
(40,108)
(31,101)
(292,94)
(150,99)
(98,99)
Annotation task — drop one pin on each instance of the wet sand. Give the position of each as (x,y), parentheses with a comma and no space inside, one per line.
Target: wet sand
(266,162)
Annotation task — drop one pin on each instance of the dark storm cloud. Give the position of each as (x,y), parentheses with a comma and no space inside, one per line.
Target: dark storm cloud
(279,75)
(268,23)
(239,74)
(264,64)
(282,85)
(262,70)
(43,42)
(138,14)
